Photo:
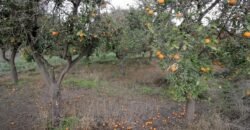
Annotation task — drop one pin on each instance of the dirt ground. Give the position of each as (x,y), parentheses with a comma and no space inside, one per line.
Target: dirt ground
(109,100)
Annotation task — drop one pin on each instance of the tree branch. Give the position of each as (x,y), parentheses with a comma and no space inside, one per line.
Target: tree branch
(65,70)
(207,10)
(4,55)
(40,61)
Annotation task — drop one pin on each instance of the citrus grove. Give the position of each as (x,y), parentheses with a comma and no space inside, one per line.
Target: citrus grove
(188,39)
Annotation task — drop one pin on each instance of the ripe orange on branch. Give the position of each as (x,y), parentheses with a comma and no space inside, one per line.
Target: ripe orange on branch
(161,2)
(151,12)
(161,56)
(205,69)
(177,56)
(54,33)
(207,40)
(246,34)
(232,2)
(173,68)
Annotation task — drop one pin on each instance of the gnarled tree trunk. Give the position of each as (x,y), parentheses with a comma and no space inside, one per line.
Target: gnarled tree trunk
(11,62)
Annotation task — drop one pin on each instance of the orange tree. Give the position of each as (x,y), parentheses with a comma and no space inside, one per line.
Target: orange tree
(189,39)
(10,34)
(62,32)
(124,33)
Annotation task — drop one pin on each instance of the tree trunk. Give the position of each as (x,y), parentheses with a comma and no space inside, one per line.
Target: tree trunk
(190,109)
(56,105)
(14,74)
(11,62)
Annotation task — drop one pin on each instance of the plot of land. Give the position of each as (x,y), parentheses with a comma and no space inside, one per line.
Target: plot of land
(99,96)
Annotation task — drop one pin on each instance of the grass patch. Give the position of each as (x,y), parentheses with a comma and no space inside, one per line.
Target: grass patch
(81,83)
(69,123)
(100,58)
(148,90)
(66,123)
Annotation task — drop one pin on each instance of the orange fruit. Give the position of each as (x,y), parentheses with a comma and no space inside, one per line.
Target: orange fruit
(151,12)
(54,33)
(173,68)
(176,56)
(161,56)
(232,2)
(158,53)
(246,34)
(205,69)
(161,2)
(207,40)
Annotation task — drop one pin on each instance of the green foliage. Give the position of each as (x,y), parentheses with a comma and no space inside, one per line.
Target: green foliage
(123,32)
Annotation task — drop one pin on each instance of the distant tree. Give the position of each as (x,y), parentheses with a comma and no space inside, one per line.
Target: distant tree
(11,34)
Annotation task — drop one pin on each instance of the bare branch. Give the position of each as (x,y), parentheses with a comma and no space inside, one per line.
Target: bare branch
(4,55)
(207,10)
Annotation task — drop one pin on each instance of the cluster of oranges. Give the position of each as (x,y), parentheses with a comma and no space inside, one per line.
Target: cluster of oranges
(233,3)
(160,55)
(174,67)
(176,56)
